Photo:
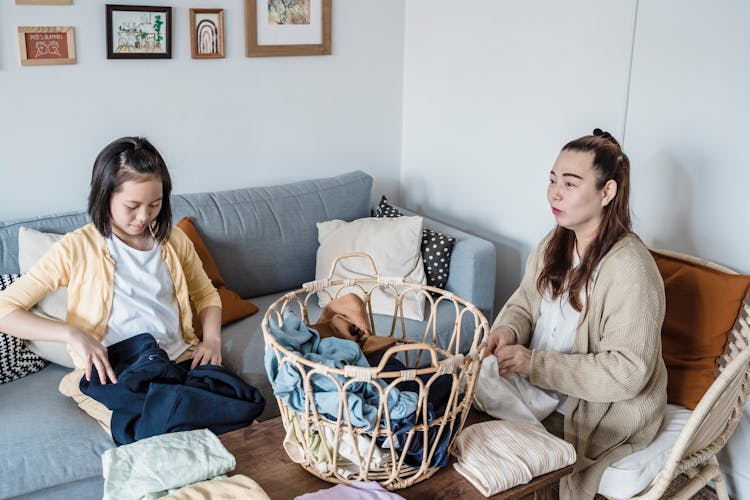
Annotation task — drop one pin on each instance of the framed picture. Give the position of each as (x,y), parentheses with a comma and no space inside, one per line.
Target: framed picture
(207,33)
(40,45)
(139,32)
(44,2)
(287,27)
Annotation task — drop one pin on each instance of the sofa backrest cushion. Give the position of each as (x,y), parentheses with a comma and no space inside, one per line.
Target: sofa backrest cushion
(702,306)
(264,240)
(59,224)
(233,308)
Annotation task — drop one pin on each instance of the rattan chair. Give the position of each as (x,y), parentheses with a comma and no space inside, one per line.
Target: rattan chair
(715,418)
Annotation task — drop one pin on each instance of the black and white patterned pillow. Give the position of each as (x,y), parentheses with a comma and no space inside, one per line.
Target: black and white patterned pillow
(436,247)
(16,360)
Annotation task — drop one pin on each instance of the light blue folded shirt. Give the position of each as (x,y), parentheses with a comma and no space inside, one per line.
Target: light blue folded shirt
(362,398)
(149,468)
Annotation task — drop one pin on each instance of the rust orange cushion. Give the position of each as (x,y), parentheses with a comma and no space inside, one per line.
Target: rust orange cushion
(233,308)
(702,307)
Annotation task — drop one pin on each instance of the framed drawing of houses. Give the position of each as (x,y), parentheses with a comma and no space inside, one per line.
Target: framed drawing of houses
(287,27)
(42,45)
(206,33)
(139,32)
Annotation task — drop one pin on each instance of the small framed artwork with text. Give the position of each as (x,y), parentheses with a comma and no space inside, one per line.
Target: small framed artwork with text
(139,32)
(207,33)
(42,45)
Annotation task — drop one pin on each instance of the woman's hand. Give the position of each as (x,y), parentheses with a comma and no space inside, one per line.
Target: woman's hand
(207,352)
(499,338)
(513,359)
(92,353)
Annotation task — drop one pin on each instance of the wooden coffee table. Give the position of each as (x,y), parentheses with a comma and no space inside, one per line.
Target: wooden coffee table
(259,455)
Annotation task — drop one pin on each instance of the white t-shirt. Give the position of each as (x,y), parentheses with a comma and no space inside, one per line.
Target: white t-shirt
(143,300)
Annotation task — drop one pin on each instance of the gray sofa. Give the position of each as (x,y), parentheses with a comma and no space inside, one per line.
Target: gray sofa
(264,241)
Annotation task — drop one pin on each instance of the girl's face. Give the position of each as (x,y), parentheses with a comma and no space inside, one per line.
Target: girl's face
(133,207)
(576,202)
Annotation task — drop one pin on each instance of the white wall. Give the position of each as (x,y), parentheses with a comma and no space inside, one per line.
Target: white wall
(491,94)
(689,125)
(220,124)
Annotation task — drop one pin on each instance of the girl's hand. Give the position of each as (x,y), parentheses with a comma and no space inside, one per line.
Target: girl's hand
(207,352)
(513,359)
(499,338)
(93,353)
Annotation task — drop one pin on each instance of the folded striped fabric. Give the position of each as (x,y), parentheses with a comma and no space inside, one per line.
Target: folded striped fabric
(498,455)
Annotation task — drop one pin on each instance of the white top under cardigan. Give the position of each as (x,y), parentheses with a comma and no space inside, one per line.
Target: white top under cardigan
(143,299)
(513,397)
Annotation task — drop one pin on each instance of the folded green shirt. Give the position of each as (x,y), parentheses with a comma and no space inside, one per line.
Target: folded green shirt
(153,466)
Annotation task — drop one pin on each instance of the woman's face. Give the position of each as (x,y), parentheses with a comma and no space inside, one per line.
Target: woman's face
(134,206)
(576,202)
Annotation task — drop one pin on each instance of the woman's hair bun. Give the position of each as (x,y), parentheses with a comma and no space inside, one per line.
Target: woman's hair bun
(605,135)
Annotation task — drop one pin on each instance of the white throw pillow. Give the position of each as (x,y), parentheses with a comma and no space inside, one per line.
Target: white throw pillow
(32,245)
(393,244)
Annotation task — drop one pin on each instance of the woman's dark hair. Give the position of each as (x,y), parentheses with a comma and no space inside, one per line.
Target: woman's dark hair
(610,163)
(123,160)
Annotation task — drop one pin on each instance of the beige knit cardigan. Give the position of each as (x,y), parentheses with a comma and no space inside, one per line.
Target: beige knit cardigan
(614,377)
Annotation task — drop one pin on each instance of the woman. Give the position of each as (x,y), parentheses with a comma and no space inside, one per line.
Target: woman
(593,267)
(130,281)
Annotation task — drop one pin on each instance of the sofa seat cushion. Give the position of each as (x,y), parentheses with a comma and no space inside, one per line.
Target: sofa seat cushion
(634,473)
(46,440)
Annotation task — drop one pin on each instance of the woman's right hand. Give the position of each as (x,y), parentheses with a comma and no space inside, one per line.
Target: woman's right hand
(499,338)
(93,353)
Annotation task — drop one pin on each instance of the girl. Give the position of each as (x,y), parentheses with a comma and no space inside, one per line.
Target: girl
(590,306)
(127,273)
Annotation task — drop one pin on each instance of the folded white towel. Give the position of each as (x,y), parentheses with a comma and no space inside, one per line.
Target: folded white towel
(498,455)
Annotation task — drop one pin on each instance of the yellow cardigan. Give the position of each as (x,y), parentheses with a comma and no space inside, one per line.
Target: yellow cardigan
(81,262)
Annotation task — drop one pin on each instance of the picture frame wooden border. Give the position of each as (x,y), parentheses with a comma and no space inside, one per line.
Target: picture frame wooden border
(252,49)
(194,35)
(167,11)
(70,45)
(44,2)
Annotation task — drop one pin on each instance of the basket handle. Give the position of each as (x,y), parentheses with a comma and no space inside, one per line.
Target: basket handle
(391,351)
(350,255)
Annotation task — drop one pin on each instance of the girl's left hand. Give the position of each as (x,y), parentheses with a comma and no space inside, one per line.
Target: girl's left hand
(513,359)
(207,352)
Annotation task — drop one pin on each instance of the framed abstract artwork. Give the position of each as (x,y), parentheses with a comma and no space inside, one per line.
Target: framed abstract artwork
(42,45)
(207,33)
(287,27)
(139,32)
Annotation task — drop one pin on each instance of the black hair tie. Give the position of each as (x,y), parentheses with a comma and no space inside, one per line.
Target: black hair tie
(605,135)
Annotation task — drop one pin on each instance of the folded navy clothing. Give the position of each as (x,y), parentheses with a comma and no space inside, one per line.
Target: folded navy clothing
(154,395)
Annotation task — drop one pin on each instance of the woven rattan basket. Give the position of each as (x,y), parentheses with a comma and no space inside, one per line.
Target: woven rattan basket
(318,440)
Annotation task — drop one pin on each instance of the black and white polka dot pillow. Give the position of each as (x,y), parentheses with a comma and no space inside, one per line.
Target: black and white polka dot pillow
(436,247)
(16,360)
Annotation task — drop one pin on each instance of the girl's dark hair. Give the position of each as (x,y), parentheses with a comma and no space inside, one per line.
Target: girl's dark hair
(128,159)
(610,163)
